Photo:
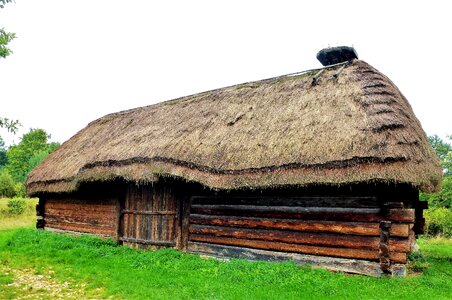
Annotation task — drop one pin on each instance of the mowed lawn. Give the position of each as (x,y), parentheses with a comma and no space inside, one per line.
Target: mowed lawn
(42,265)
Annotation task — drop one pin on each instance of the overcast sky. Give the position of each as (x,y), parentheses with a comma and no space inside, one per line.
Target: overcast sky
(75,61)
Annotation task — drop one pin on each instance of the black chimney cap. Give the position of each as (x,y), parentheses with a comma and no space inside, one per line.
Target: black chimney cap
(336,55)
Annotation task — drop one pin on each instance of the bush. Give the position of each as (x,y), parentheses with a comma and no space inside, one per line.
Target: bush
(20,190)
(438,221)
(7,188)
(17,205)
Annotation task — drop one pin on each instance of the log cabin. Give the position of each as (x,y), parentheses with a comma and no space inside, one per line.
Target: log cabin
(321,167)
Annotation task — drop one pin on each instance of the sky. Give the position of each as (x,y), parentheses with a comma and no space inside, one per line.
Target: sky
(76,61)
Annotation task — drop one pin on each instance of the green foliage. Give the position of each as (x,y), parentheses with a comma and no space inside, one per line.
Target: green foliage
(10,125)
(118,272)
(3,157)
(10,221)
(438,221)
(32,149)
(417,262)
(441,199)
(5,38)
(20,190)
(7,188)
(16,205)
(443,151)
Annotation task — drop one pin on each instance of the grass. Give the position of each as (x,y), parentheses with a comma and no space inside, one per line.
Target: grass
(100,268)
(10,221)
(43,265)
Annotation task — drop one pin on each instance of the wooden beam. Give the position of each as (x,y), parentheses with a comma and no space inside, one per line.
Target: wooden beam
(292,237)
(309,201)
(355,228)
(332,263)
(308,213)
(148,212)
(384,250)
(147,242)
(286,247)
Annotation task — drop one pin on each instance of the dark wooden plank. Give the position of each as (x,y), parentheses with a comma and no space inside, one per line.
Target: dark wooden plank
(307,249)
(311,213)
(186,204)
(110,231)
(294,237)
(311,201)
(321,239)
(286,247)
(357,228)
(331,263)
(86,214)
(155,207)
(147,242)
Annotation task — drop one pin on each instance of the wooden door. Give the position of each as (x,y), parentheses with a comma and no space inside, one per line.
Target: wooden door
(149,217)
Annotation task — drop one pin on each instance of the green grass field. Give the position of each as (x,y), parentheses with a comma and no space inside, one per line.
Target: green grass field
(42,265)
(9,221)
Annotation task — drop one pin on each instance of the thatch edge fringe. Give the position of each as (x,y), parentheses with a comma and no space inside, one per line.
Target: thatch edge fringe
(150,171)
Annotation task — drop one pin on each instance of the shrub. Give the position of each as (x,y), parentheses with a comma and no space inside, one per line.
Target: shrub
(438,221)
(6,185)
(16,205)
(417,262)
(20,190)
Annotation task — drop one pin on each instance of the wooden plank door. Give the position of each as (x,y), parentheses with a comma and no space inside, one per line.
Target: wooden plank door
(149,217)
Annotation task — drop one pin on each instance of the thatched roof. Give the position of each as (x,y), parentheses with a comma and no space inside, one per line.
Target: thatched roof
(356,127)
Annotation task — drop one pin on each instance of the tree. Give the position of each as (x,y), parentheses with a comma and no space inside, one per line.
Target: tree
(10,125)
(3,157)
(20,156)
(7,188)
(5,37)
(443,151)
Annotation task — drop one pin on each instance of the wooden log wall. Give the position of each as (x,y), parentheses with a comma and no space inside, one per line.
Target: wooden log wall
(342,227)
(96,216)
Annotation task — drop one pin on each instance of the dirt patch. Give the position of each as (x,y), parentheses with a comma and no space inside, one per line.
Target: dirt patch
(42,286)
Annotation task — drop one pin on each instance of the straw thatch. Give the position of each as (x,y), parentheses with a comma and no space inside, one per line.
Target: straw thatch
(354,127)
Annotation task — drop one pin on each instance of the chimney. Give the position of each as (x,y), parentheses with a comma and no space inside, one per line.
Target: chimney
(336,55)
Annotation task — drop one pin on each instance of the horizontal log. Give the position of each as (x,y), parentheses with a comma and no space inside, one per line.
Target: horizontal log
(71,205)
(148,242)
(65,231)
(311,213)
(331,263)
(356,228)
(321,239)
(307,249)
(85,221)
(94,201)
(313,201)
(293,237)
(82,209)
(147,212)
(84,228)
(89,218)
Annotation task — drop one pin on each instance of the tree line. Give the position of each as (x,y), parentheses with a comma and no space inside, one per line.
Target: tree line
(17,161)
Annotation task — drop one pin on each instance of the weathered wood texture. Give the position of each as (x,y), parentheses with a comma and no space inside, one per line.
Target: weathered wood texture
(346,227)
(332,263)
(97,216)
(149,217)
